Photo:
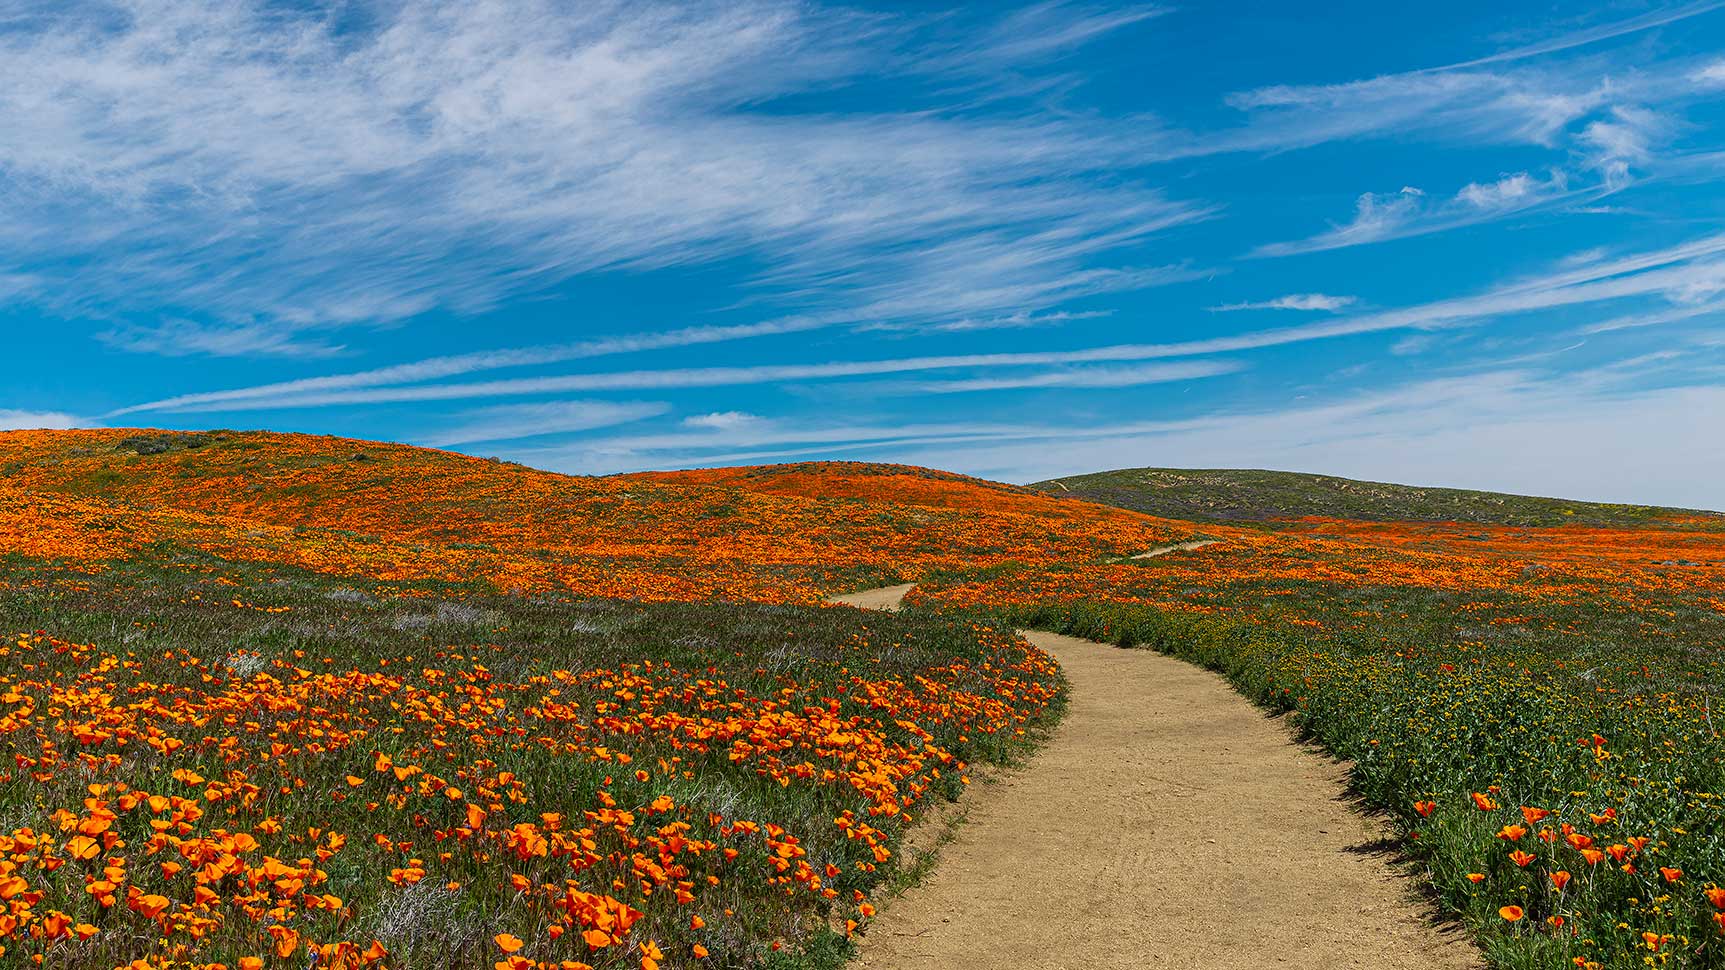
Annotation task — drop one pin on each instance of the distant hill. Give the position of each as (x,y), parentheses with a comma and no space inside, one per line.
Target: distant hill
(1251,495)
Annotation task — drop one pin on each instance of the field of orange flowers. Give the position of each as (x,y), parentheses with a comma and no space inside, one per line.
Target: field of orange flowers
(278,697)
(1535,707)
(222,765)
(398,513)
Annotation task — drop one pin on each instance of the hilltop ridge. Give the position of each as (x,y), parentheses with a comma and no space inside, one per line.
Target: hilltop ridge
(1256,495)
(398,513)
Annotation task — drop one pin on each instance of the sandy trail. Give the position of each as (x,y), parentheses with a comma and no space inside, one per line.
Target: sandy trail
(1168,823)
(885,598)
(1176,547)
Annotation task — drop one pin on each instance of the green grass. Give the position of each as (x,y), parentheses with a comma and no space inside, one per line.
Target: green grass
(1249,495)
(172,623)
(1425,707)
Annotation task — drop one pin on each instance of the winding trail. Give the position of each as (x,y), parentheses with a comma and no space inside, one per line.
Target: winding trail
(1165,550)
(1167,823)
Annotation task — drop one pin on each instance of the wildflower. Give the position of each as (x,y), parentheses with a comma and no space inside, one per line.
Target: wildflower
(1511,913)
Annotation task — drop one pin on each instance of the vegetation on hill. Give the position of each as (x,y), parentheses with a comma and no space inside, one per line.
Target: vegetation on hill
(399,513)
(1535,707)
(1246,495)
(276,695)
(218,763)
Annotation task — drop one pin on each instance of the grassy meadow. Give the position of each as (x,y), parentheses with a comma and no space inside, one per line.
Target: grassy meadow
(1536,711)
(281,701)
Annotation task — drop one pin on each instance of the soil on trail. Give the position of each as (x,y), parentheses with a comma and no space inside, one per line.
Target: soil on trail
(1176,547)
(885,598)
(1167,823)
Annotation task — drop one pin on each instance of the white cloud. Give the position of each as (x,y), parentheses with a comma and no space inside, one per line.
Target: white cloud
(1507,192)
(15,420)
(1384,217)
(1590,35)
(510,422)
(1523,106)
(1502,430)
(1410,346)
(723,420)
(452,155)
(1712,74)
(1081,377)
(1293,301)
(181,338)
(1677,314)
(456,365)
(1682,272)
(1011,321)
(1376,218)
(1622,141)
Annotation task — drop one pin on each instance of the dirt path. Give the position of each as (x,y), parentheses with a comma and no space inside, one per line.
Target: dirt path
(1168,823)
(885,598)
(1176,547)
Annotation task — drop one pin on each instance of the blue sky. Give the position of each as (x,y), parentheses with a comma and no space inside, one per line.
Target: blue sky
(1467,243)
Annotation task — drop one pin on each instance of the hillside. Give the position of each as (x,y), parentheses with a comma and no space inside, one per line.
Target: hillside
(568,721)
(277,701)
(394,512)
(1251,495)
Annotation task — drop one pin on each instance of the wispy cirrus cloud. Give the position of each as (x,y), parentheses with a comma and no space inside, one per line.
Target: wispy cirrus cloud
(511,422)
(327,170)
(184,338)
(1072,377)
(457,365)
(1410,212)
(1685,273)
(1496,428)
(1658,17)
(1293,301)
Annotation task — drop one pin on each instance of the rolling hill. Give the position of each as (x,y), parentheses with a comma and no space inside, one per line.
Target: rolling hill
(395,512)
(1252,495)
(402,707)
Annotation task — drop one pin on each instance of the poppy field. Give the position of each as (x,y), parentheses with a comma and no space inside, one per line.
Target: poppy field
(395,513)
(284,701)
(220,765)
(1537,710)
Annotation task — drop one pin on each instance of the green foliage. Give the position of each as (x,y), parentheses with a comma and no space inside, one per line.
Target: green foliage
(1249,495)
(1617,745)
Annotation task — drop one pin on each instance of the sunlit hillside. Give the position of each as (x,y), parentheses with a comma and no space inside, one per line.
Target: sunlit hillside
(285,701)
(394,512)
